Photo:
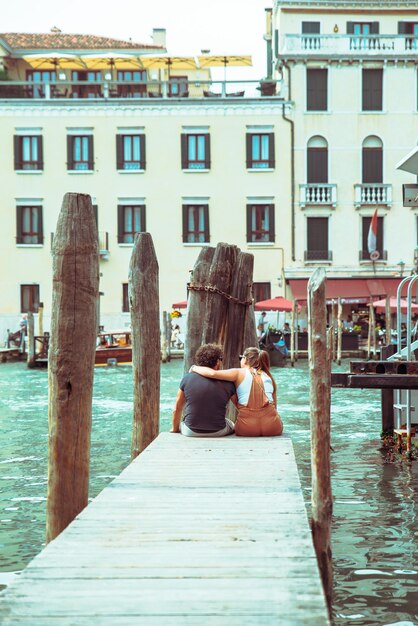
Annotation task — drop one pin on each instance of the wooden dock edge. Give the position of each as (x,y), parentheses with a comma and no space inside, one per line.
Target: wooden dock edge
(192,532)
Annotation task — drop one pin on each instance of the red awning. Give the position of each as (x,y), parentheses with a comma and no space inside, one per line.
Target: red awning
(350,290)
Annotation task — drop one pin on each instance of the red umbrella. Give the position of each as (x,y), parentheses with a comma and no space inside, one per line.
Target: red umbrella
(380,305)
(274,304)
(180,305)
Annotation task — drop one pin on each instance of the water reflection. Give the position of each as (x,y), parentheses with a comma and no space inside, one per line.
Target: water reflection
(375,526)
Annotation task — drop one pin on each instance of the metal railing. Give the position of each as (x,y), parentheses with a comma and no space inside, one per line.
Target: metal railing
(112,89)
(350,45)
(372,194)
(364,255)
(317,194)
(318,255)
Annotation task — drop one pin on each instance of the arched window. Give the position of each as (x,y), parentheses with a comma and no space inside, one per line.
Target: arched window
(372,160)
(317,160)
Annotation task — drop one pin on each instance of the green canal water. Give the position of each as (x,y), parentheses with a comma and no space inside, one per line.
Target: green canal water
(375,522)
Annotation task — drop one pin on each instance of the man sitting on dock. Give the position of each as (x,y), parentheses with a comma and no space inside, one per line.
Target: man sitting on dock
(205,399)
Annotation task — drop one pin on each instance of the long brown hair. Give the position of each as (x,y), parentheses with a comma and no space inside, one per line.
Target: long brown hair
(259,360)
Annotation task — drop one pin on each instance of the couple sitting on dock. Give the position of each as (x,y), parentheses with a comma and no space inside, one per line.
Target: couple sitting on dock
(205,391)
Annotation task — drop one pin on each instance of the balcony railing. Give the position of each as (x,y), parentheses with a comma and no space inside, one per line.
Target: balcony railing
(111,90)
(364,255)
(349,45)
(316,194)
(318,255)
(368,194)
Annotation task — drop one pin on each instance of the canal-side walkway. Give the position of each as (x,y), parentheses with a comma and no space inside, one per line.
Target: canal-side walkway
(202,532)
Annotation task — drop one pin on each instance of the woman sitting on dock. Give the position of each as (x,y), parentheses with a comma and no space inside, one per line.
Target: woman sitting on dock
(256,391)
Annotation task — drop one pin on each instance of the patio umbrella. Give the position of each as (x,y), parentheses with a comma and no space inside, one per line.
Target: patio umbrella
(380,305)
(169,63)
(111,60)
(54,60)
(180,305)
(274,304)
(225,61)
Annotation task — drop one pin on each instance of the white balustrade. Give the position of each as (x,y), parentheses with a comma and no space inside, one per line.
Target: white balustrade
(372,194)
(318,194)
(350,45)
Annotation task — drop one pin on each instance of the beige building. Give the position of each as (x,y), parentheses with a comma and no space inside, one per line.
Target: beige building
(157,144)
(350,70)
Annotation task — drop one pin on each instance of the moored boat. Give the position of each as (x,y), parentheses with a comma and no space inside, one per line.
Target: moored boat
(113,347)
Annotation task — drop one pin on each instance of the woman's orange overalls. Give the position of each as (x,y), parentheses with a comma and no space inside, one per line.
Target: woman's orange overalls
(259,418)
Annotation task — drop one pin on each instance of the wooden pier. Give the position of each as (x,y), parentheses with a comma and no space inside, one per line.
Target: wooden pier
(194,532)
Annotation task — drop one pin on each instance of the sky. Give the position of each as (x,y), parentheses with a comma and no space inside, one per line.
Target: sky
(221,26)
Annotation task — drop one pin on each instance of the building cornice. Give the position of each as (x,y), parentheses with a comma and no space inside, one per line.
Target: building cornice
(346,4)
(105,109)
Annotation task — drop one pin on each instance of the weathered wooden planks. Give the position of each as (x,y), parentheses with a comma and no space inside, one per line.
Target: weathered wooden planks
(194,532)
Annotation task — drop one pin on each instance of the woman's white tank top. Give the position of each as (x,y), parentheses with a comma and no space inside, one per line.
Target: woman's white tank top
(244,389)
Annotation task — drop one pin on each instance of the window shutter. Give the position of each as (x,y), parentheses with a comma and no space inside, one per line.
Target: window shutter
(143,223)
(272,233)
(249,142)
(121,215)
(249,231)
(207,151)
(17,143)
(91,152)
(206,222)
(276,42)
(119,152)
(372,165)
(317,165)
(185,209)
(402,28)
(184,155)
(374,28)
(311,28)
(40,152)
(318,234)
(143,163)
(272,161)
(19,224)
(40,225)
(317,89)
(372,96)
(70,160)
(350,28)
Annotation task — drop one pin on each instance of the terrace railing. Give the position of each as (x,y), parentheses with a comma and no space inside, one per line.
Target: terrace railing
(114,90)
(349,45)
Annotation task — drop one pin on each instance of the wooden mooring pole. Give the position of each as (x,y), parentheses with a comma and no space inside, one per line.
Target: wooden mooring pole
(71,360)
(146,356)
(320,403)
(388,324)
(31,340)
(165,339)
(339,330)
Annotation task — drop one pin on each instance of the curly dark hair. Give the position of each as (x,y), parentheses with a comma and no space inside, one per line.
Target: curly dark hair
(208,355)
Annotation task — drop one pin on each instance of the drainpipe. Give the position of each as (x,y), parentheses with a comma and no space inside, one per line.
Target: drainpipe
(292,161)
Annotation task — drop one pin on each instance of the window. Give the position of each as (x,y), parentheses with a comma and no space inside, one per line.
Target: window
(80,152)
(196,223)
(365,254)
(29,229)
(130,152)
(29,298)
(317,89)
(195,151)
(317,160)
(178,86)
(372,160)
(317,239)
(260,223)
(409,28)
(131,220)
(28,152)
(310,30)
(261,291)
(38,77)
(260,150)
(134,89)
(362,28)
(125,298)
(372,90)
